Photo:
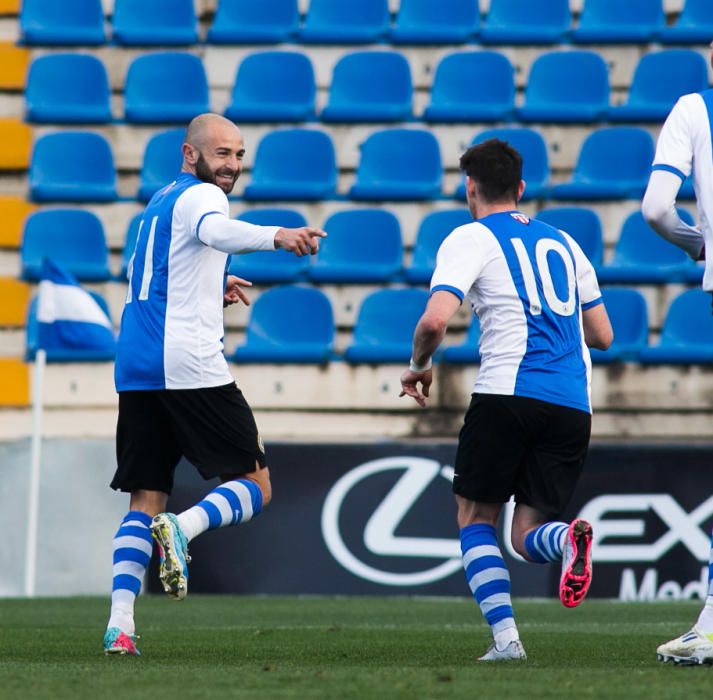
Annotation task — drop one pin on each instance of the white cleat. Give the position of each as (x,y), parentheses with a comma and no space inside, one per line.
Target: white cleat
(690,649)
(512,652)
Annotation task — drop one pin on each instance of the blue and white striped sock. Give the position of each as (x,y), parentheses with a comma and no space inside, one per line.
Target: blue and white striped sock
(705,619)
(132,552)
(546,543)
(489,580)
(231,503)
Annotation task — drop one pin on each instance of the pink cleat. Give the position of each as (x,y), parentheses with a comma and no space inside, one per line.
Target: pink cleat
(576,564)
(118,642)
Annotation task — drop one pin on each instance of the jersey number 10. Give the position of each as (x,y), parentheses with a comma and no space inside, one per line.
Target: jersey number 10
(544,246)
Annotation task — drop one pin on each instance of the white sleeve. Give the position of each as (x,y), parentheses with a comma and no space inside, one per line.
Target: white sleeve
(235,237)
(208,216)
(458,263)
(587,283)
(674,150)
(659,210)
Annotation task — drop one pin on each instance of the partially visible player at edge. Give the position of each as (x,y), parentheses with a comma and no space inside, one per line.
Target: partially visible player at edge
(685,145)
(176,394)
(527,430)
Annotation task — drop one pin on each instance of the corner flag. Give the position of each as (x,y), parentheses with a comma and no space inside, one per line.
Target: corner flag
(70,321)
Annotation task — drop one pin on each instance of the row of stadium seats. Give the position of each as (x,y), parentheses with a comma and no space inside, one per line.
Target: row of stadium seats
(300,165)
(74,238)
(279,86)
(174,22)
(384,330)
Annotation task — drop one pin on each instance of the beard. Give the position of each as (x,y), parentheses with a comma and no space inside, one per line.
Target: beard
(204,173)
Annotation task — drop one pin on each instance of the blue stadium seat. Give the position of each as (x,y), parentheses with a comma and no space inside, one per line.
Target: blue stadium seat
(533,149)
(582,224)
(630,320)
(68,88)
(165,87)
(154,22)
(431,233)
(693,26)
(72,166)
(614,163)
(467,352)
(304,335)
(53,23)
(363,245)
(385,325)
(265,267)
(526,22)
(273,86)
(330,22)
(617,22)
(444,22)
(687,334)
(68,354)
(566,86)
(72,238)
(355,96)
(453,98)
(642,256)
(162,161)
(250,22)
(398,164)
(293,164)
(659,80)
(132,232)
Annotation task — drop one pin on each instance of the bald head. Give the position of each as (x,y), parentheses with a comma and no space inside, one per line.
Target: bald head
(204,127)
(214,150)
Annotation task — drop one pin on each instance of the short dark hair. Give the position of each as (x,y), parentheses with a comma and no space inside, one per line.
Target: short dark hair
(496,168)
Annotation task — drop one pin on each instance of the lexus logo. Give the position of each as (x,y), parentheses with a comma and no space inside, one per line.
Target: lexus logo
(379,533)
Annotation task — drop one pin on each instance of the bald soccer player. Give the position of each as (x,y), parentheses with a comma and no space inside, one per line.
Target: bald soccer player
(177,397)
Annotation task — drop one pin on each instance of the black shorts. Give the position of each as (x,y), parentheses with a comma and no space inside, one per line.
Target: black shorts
(515,445)
(212,428)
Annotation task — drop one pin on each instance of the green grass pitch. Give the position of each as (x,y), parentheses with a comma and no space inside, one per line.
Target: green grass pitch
(263,648)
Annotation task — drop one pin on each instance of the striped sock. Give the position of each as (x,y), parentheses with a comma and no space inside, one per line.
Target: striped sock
(132,552)
(705,619)
(489,580)
(545,543)
(231,503)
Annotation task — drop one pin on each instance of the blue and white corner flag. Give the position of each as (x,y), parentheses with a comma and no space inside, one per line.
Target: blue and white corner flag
(69,319)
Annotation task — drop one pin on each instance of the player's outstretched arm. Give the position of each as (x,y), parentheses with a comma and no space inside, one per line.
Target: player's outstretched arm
(300,241)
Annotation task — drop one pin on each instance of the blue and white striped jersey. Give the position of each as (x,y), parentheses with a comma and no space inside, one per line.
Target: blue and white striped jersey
(685,146)
(528,283)
(171,333)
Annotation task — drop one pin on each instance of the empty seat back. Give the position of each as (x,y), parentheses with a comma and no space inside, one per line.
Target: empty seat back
(250,22)
(333,22)
(155,22)
(73,166)
(273,86)
(363,245)
(68,88)
(165,87)
(355,96)
(293,164)
(79,22)
(398,164)
(72,238)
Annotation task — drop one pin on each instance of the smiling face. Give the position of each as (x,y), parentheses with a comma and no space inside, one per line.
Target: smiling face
(214,151)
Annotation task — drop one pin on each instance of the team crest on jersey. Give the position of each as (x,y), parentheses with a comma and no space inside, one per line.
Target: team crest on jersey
(521,218)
